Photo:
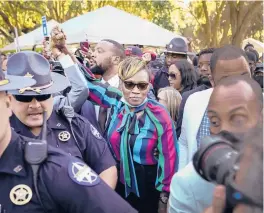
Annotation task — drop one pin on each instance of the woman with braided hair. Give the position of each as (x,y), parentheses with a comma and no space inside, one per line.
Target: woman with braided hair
(136,127)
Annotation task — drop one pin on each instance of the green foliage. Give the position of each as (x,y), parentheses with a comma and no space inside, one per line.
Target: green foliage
(26,15)
(215,23)
(209,23)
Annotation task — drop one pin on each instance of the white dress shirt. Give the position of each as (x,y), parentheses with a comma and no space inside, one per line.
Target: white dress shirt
(189,193)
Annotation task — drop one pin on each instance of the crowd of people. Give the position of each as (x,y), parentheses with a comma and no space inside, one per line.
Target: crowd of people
(114,129)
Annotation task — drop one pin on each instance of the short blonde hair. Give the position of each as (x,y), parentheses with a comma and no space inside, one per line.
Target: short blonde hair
(131,66)
(173,99)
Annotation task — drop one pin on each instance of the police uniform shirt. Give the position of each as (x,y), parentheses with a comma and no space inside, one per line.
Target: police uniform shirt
(91,146)
(65,184)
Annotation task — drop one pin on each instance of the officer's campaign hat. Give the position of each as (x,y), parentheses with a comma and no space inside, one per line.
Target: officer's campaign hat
(9,82)
(35,66)
(177,46)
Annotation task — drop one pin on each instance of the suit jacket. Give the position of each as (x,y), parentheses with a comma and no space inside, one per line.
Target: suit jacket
(185,96)
(194,110)
(88,111)
(189,193)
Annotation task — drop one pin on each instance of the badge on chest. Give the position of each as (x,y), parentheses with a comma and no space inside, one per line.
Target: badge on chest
(20,194)
(64,136)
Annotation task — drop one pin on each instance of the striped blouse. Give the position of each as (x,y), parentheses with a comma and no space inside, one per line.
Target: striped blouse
(133,138)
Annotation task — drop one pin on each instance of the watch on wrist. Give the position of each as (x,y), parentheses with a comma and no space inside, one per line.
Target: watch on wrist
(164,197)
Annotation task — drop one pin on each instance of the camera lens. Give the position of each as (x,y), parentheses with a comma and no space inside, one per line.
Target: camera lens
(215,159)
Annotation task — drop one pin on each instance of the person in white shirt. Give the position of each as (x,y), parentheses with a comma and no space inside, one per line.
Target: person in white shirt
(234,110)
(189,193)
(225,61)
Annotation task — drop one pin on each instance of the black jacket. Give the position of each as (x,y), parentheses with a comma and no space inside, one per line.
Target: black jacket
(161,80)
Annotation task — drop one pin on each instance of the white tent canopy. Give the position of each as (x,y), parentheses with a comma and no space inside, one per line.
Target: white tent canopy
(31,38)
(111,23)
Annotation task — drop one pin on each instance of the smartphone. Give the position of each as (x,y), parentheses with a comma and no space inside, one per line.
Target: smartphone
(47,38)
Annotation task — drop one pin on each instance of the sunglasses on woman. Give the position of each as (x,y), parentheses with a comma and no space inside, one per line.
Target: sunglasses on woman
(29,98)
(131,85)
(171,75)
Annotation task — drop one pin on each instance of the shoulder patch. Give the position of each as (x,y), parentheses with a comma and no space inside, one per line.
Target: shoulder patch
(95,132)
(82,174)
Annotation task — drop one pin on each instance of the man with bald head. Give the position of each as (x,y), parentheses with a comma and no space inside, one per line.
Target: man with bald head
(235,106)
(234,109)
(226,61)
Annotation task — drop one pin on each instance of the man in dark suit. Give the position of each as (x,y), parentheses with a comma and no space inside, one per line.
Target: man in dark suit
(204,82)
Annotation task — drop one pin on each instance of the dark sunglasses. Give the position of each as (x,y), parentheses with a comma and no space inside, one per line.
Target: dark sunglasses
(172,76)
(29,98)
(131,85)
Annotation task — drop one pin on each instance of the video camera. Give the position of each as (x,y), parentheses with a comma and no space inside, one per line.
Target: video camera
(217,161)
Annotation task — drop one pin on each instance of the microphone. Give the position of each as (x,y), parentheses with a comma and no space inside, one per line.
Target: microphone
(36,150)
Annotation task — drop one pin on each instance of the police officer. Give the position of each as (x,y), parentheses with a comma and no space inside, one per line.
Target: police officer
(71,133)
(65,183)
(177,49)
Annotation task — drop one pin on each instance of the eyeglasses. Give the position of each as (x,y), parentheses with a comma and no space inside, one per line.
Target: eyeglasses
(29,98)
(172,76)
(131,85)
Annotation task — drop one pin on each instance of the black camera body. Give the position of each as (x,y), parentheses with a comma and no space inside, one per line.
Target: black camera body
(215,159)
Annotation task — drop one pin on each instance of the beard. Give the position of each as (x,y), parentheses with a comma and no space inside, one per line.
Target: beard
(102,68)
(97,70)
(204,80)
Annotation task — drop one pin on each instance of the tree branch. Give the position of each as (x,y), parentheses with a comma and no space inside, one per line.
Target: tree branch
(208,23)
(233,16)
(55,9)
(216,25)
(6,35)
(33,9)
(195,17)
(249,14)
(225,26)
(6,20)
(70,10)
(241,29)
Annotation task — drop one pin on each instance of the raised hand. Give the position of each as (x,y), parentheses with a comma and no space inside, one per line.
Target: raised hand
(58,38)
